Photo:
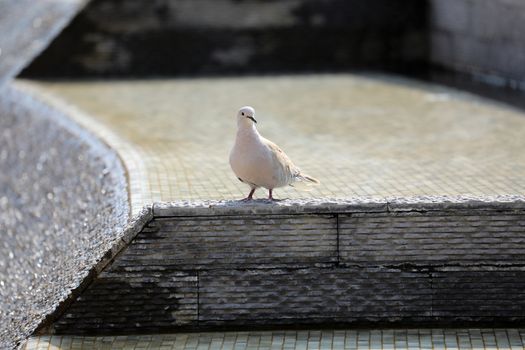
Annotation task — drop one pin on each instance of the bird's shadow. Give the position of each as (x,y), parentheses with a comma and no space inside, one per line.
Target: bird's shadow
(259,201)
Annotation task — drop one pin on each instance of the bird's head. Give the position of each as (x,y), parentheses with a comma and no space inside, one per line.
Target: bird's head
(246,116)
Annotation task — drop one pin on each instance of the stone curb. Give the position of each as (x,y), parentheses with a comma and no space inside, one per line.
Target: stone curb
(320,206)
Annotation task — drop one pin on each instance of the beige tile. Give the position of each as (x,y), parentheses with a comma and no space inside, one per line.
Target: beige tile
(474,339)
(365,136)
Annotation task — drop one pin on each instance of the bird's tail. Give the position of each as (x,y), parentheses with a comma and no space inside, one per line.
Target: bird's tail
(305,182)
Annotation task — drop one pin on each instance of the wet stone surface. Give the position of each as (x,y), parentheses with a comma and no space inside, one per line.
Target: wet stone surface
(62,204)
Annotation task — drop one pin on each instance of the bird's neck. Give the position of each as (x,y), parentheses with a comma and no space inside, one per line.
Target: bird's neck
(247,131)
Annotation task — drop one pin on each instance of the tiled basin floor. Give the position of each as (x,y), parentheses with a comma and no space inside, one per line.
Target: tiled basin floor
(426,339)
(361,135)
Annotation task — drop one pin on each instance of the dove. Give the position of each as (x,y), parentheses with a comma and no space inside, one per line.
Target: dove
(258,162)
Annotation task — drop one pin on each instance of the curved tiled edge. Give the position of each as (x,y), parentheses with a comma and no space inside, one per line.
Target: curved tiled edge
(71,157)
(131,157)
(62,118)
(83,127)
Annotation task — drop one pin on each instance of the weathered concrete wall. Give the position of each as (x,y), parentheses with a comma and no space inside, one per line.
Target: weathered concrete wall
(27,27)
(170,37)
(173,37)
(235,266)
(480,36)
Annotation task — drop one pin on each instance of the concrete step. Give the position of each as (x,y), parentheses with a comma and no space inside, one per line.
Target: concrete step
(265,264)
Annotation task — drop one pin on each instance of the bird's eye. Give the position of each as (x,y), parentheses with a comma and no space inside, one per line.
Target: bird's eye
(242,113)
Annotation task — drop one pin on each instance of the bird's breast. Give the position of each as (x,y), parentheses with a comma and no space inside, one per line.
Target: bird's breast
(251,161)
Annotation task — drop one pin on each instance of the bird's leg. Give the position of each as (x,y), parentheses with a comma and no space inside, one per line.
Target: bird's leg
(270,197)
(250,195)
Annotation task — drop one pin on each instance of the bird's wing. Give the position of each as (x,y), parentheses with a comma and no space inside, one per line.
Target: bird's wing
(284,171)
(279,156)
(289,171)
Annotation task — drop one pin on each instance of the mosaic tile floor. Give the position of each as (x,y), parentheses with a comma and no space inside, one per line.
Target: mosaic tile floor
(426,339)
(369,136)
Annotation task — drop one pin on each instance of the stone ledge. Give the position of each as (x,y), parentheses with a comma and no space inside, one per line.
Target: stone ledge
(327,205)
(203,265)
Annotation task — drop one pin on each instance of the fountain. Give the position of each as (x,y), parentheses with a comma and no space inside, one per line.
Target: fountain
(418,221)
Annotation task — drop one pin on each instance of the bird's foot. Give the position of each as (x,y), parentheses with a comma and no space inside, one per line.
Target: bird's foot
(250,196)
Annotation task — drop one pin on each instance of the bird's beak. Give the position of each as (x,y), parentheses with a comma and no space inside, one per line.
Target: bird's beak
(252,118)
